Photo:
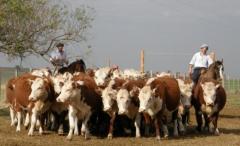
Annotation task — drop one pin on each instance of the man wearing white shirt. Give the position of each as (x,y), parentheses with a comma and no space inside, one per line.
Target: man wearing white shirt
(200,60)
(59,57)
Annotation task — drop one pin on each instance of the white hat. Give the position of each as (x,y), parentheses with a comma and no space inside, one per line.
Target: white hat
(204,46)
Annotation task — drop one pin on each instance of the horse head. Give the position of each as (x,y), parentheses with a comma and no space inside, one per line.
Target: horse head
(217,68)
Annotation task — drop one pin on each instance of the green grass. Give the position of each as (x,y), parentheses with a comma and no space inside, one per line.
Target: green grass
(233,99)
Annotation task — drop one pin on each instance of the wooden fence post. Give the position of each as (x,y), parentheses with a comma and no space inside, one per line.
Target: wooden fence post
(142,61)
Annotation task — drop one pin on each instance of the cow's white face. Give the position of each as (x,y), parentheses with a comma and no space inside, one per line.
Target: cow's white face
(209,92)
(186,92)
(101,75)
(70,91)
(146,98)
(38,90)
(59,80)
(109,96)
(123,101)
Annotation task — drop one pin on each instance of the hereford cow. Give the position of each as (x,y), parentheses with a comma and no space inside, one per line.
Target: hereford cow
(45,86)
(103,75)
(160,98)
(42,100)
(186,87)
(17,93)
(109,96)
(210,99)
(81,95)
(128,103)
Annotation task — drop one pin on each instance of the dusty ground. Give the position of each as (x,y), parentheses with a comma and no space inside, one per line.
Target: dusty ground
(229,126)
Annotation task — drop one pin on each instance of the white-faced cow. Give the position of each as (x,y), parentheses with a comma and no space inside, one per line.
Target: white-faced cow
(81,95)
(109,96)
(42,95)
(186,87)
(128,102)
(18,92)
(210,99)
(160,98)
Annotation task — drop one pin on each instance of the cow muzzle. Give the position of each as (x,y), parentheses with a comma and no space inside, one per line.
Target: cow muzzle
(122,112)
(106,109)
(59,100)
(141,110)
(31,98)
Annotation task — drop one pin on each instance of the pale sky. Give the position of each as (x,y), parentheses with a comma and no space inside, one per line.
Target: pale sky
(170,31)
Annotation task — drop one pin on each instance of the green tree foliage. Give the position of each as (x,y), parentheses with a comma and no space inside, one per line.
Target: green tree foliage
(35,26)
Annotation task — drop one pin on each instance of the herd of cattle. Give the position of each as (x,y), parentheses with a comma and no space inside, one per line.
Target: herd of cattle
(96,99)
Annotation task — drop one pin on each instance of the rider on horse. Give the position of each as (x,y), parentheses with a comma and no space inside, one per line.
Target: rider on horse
(200,60)
(59,57)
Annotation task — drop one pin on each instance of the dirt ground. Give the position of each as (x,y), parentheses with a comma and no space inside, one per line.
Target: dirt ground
(229,126)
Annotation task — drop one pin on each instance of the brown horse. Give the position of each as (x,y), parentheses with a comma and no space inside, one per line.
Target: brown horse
(215,71)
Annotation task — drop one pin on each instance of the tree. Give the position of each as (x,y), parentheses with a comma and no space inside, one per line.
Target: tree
(35,26)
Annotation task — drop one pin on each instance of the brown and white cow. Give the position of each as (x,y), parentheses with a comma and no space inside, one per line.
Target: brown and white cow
(81,95)
(186,87)
(17,91)
(109,97)
(160,98)
(210,99)
(103,75)
(42,96)
(42,87)
(128,102)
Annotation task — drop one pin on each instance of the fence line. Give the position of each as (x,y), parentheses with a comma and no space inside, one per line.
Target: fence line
(231,85)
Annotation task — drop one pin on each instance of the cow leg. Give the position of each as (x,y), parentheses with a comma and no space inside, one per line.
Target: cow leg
(110,132)
(61,122)
(41,126)
(85,124)
(27,120)
(147,124)
(157,128)
(214,121)
(198,113)
(187,116)
(19,117)
(206,126)
(42,119)
(12,116)
(33,123)
(76,132)
(180,124)
(137,124)
(175,128)
(71,116)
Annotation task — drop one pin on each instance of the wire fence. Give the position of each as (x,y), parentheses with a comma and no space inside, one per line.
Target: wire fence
(6,74)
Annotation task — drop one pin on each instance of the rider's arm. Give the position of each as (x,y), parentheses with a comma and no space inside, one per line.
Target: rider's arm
(191,65)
